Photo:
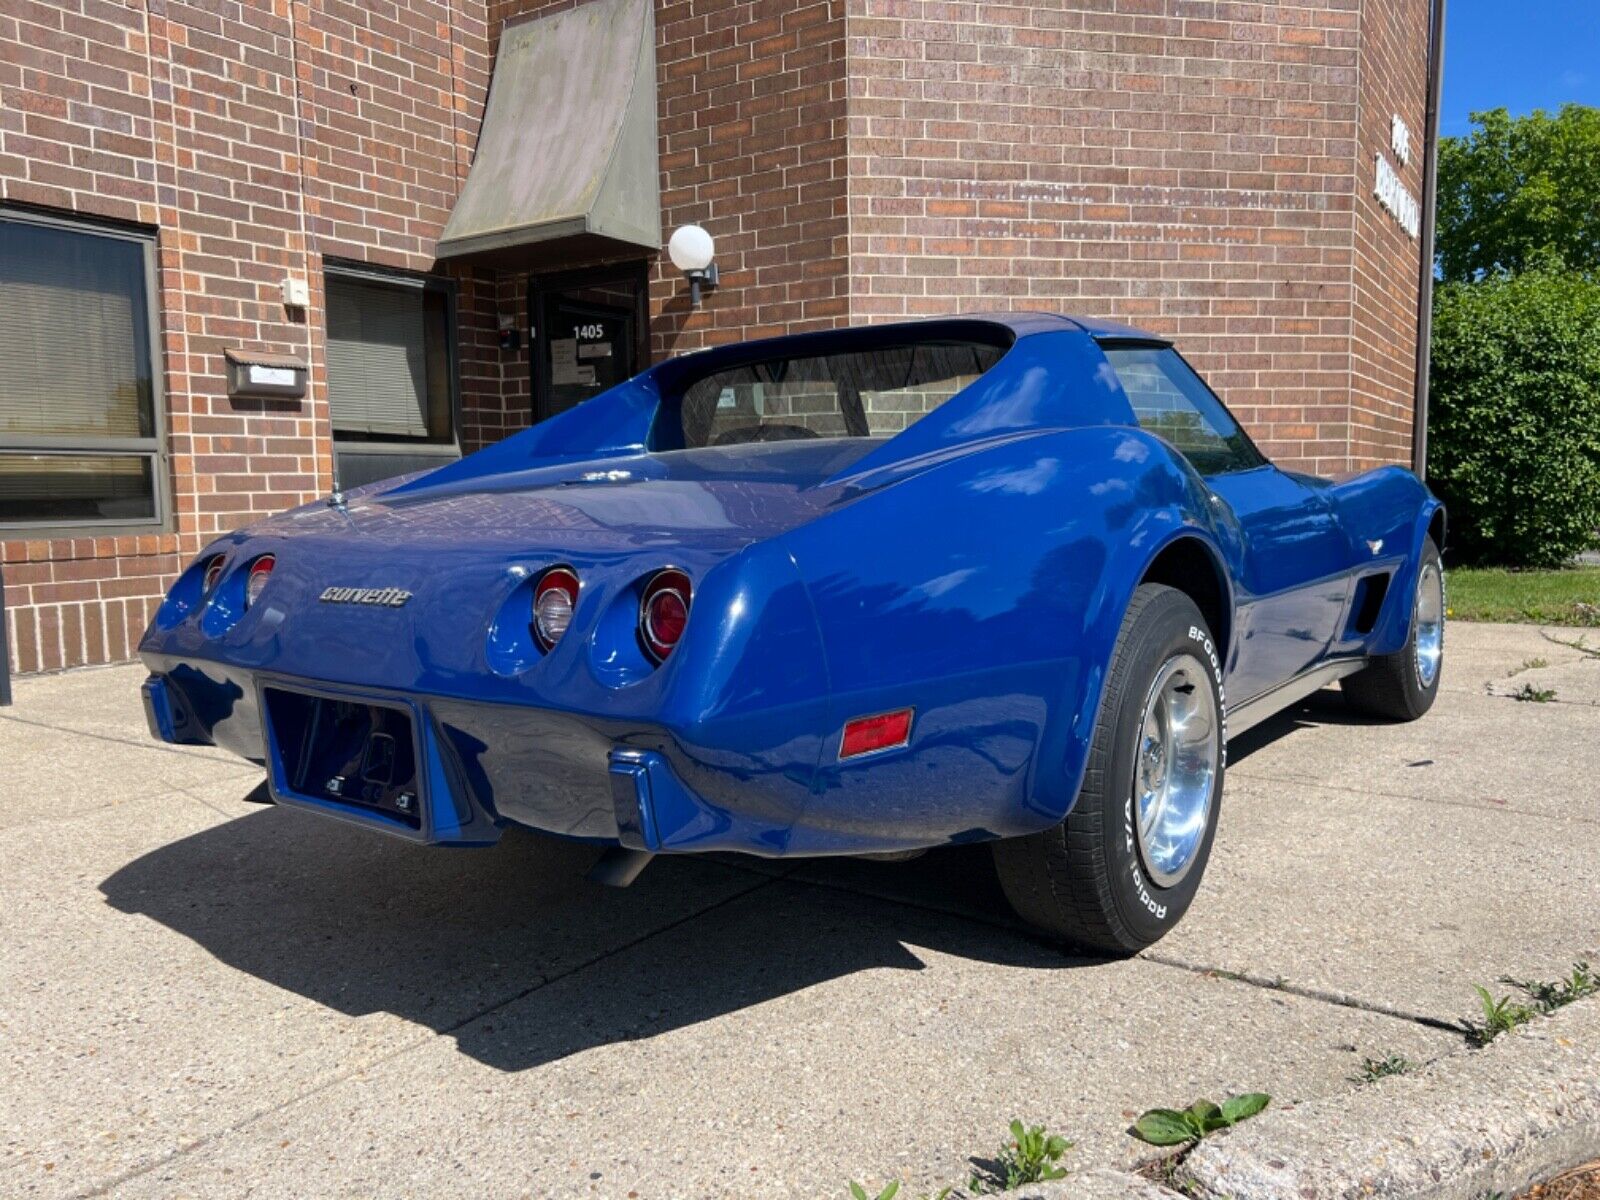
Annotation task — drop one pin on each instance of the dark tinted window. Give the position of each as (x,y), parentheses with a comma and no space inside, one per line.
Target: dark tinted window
(865,393)
(78,396)
(388,360)
(1172,402)
(391,376)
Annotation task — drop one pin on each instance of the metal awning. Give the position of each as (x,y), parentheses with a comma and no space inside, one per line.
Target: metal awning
(566,165)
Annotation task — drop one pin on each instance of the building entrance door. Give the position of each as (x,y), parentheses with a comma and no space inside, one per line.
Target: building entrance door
(589,334)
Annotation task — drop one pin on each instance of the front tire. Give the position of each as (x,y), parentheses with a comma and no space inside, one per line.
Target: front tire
(1402,686)
(1125,864)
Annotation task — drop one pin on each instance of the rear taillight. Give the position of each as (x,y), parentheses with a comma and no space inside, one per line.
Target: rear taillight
(664,612)
(553,601)
(213,573)
(256,581)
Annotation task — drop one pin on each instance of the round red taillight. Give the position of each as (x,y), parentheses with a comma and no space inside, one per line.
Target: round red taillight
(664,612)
(553,601)
(213,573)
(260,572)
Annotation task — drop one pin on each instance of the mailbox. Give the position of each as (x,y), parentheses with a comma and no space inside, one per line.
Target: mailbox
(274,376)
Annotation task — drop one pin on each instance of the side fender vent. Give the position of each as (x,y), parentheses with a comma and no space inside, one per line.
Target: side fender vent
(1368,603)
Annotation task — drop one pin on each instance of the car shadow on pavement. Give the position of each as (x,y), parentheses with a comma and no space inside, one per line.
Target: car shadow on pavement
(1326,707)
(514,954)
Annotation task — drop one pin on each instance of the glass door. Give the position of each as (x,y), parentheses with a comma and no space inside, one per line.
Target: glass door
(589,334)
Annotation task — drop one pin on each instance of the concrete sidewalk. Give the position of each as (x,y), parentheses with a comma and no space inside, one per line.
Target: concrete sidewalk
(204,997)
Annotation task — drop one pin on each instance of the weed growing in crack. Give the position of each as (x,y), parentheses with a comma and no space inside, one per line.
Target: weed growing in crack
(1534,695)
(890,1191)
(1505,1014)
(1029,1157)
(1549,996)
(1499,1016)
(1176,1127)
(1374,1069)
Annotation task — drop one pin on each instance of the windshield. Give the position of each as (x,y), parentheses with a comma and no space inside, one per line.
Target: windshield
(865,393)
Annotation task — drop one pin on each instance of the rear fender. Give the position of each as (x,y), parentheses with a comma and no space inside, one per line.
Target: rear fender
(991,610)
(743,713)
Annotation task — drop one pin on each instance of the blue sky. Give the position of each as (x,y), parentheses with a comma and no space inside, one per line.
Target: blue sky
(1523,55)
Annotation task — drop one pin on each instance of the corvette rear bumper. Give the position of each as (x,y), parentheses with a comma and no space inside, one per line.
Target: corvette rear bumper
(468,768)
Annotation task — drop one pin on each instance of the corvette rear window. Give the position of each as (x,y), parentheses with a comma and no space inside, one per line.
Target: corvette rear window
(865,393)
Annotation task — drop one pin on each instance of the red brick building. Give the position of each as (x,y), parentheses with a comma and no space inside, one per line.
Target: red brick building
(245,245)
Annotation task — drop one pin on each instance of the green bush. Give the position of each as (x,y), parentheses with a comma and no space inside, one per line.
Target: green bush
(1514,420)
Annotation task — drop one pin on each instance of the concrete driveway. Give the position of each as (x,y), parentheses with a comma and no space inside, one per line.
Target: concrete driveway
(205,997)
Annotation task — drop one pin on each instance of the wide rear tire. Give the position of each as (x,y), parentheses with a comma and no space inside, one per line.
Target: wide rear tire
(1402,686)
(1125,864)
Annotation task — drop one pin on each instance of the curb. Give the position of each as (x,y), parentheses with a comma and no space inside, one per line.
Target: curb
(1466,1126)
(1097,1183)
(1470,1124)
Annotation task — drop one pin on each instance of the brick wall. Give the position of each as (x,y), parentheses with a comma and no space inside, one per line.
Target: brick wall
(1200,167)
(1189,167)
(254,138)
(751,113)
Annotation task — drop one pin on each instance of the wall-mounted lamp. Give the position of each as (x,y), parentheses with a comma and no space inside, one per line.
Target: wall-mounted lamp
(693,252)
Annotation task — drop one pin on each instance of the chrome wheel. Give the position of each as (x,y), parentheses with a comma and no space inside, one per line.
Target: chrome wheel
(1176,768)
(1429,618)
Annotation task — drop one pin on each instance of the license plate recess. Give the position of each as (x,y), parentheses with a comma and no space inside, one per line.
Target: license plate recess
(346,750)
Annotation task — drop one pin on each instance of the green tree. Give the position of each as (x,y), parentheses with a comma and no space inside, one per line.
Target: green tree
(1514,430)
(1519,192)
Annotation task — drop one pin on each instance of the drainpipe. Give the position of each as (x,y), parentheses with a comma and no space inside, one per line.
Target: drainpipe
(5,647)
(1430,183)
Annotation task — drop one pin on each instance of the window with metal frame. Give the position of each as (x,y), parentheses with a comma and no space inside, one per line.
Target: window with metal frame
(391,374)
(81,445)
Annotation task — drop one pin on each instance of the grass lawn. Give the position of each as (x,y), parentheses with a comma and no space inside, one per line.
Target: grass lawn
(1567,597)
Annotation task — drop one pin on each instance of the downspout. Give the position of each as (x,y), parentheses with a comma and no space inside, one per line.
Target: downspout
(1430,183)
(5,647)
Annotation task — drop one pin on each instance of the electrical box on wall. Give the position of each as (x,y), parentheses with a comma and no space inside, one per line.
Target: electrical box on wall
(267,376)
(510,335)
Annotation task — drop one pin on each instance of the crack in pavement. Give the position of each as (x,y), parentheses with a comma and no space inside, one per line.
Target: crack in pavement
(108,1186)
(1158,958)
(1324,995)
(1477,805)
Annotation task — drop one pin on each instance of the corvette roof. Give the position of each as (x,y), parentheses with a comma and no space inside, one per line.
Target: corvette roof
(670,372)
(1010,398)
(1024,323)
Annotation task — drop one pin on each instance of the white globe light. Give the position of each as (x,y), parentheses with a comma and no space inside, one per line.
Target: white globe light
(691,248)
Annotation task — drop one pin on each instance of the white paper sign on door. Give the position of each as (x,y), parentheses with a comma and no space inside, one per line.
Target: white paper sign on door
(564,360)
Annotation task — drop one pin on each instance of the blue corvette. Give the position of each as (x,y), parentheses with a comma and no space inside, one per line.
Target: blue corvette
(1013,579)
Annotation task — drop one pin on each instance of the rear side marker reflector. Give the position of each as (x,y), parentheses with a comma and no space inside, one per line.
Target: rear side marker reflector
(882,732)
